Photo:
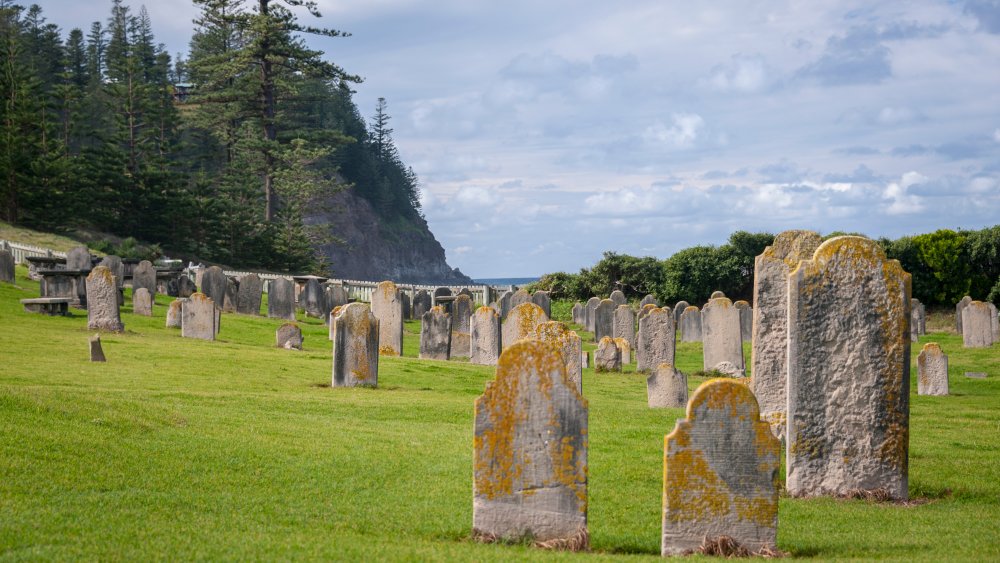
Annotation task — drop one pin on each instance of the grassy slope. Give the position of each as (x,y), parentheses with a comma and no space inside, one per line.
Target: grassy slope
(37,238)
(182,449)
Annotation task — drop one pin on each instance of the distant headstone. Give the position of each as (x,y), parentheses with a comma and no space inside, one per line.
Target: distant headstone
(387,306)
(666,388)
(542,299)
(435,334)
(250,294)
(977,325)
(648,300)
(618,297)
(142,302)
(848,371)
(746,320)
(521,323)
(144,275)
(994,322)
(623,324)
(232,295)
(484,348)
(214,285)
(281,299)
(288,336)
(78,258)
(975,374)
(405,299)
(174,312)
(530,452)
(442,292)
(102,301)
(678,310)
(604,320)
(607,357)
(918,313)
(6,266)
(720,333)
(570,348)
(199,317)
(185,286)
(96,351)
(312,299)
(958,312)
(932,370)
(690,325)
(504,303)
(421,303)
(355,347)
(914,322)
(591,312)
(655,344)
(520,297)
(720,473)
(578,314)
(717,295)
(625,349)
(461,326)
(114,263)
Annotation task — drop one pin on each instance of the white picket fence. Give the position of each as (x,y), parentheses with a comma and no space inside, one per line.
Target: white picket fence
(23,251)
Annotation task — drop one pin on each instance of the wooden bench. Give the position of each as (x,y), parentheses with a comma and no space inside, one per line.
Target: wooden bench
(47,305)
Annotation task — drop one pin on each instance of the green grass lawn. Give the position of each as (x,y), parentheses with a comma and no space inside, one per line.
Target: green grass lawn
(182,449)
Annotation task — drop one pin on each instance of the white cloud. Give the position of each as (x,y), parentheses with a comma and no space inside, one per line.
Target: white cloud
(682,133)
(741,74)
(902,202)
(896,115)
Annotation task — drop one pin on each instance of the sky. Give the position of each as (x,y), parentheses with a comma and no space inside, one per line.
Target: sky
(545,133)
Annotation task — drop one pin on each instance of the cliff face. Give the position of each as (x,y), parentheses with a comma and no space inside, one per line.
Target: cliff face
(371,249)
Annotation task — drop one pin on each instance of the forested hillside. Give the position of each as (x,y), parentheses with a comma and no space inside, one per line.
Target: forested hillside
(229,154)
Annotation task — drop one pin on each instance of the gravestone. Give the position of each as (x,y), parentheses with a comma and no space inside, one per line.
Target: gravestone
(623,324)
(312,299)
(655,344)
(504,303)
(591,310)
(78,258)
(918,314)
(199,318)
(288,336)
(435,334)
(717,295)
(914,322)
(932,370)
(645,310)
(746,319)
(578,314)
(570,348)
(185,286)
(250,294)
(421,303)
(690,325)
(607,357)
(604,320)
(975,374)
(114,263)
(521,323)
(977,325)
(387,306)
(530,452)
(648,300)
(542,299)
(994,322)
(336,296)
(618,297)
(6,266)
(461,326)
(404,297)
(848,371)
(232,295)
(96,351)
(678,310)
(142,302)
(174,312)
(102,301)
(720,473)
(484,348)
(520,297)
(281,299)
(442,292)
(720,334)
(666,388)
(625,348)
(958,312)
(144,275)
(355,347)
(214,285)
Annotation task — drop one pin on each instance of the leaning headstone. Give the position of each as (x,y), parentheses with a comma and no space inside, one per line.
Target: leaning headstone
(355,347)
(78,258)
(142,302)
(199,317)
(281,299)
(250,294)
(288,336)
(591,312)
(174,312)
(720,473)
(690,325)
(720,333)
(504,303)
(521,323)
(312,299)
(623,324)
(387,306)
(96,351)
(185,286)
(932,370)
(578,314)
(435,334)
(666,388)
(144,275)
(848,372)
(625,348)
(649,300)
(607,357)
(958,312)
(214,284)
(421,303)
(6,266)
(542,299)
(618,297)
(717,295)
(102,301)
(530,452)
(746,319)
(604,320)
(977,325)
(678,310)
(484,348)
(461,326)
(570,347)
(655,344)
(232,295)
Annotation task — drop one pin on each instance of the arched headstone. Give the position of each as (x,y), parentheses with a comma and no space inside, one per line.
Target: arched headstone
(387,306)
(521,323)
(485,337)
(102,301)
(355,347)
(656,343)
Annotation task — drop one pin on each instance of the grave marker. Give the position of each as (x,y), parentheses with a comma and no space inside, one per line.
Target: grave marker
(485,337)
(102,301)
(387,306)
(932,370)
(435,334)
(355,347)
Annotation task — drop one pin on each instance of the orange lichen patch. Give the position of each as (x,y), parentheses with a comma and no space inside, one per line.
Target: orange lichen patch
(526,317)
(691,489)
(723,393)
(792,247)
(719,303)
(762,511)
(741,303)
(388,289)
(102,272)
(176,304)
(199,296)
(691,308)
(484,310)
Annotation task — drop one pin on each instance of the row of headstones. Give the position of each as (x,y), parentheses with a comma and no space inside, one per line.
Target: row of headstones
(601,315)
(977,322)
(509,300)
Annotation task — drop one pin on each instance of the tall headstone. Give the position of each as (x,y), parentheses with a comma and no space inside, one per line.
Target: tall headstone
(421,303)
(530,451)
(144,275)
(678,310)
(690,325)
(977,325)
(591,310)
(504,303)
(914,322)
(250,294)
(656,341)
(6,266)
(604,320)
(645,310)
(435,334)
(994,322)
(174,312)
(720,334)
(288,336)
(918,314)
(405,299)
(281,299)
(102,301)
(623,324)
(666,388)
(142,302)
(387,306)
(214,285)
(232,295)
(484,348)
(78,258)
(958,312)
(355,346)
(461,326)
(521,323)
(618,297)
(199,318)
(648,300)
(932,370)
(114,263)
(746,320)
(607,357)
(312,299)
(848,371)
(720,473)
(570,347)
(542,299)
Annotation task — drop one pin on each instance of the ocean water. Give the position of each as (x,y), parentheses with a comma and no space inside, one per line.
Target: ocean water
(506,281)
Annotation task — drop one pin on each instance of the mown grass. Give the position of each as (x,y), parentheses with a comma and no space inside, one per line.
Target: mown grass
(180,449)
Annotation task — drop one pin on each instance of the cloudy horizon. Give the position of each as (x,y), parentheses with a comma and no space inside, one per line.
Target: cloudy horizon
(545,133)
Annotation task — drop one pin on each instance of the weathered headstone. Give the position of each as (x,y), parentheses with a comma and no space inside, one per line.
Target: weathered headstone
(288,336)
(102,301)
(625,348)
(435,334)
(336,296)
(78,258)
(604,320)
(521,323)
(666,388)
(994,322)
(618,297)
(919,315)
(484,348)
(144,275)
(232,295)
(746,320)
(623,324)
(649,300)
(520,297)
(690,325)
(504,303)
(645,310)
(355,347)
(720,333)
(174,312)
(977,325)
(655,344)
(114,263)
(214,285)
(717,295)
(461,326)
(387,306)
(199,317)
(142,302)
(421,303)
(578,314)
(281,299)
(185,286)
(932,370)
(96,351)
(570,347)
(975,374)
(530,452)
(958,312)
(312,299)
(678,310)
(720,473)
(542,299)
(249,295)
(607,357)
(848,371)
(6,266)
(591,312)
(442,292)
(914,322)
(404,298)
